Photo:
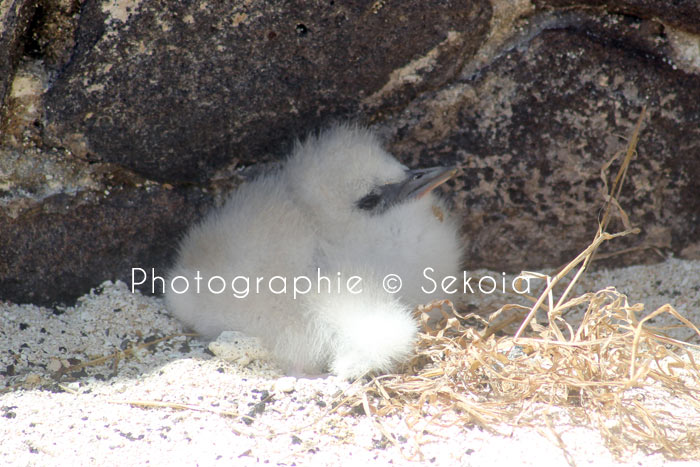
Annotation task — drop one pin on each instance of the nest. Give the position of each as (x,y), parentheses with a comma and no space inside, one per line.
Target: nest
(613,370)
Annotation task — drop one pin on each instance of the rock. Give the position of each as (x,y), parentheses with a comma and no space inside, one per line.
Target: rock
(285,384)
(32,379)
(176,90)
(34,28)
(123,121)
(14,19)
(683,14)
(21,123)
(53,249)
(54,365)
(532,130)
(67,222)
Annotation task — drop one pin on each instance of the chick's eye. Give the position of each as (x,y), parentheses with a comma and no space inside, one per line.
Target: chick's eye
(417,176)
(369,201)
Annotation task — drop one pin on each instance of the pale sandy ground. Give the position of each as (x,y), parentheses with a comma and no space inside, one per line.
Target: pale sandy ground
(85,422)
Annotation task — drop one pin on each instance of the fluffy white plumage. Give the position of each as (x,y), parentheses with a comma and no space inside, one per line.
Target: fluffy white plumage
(341,204)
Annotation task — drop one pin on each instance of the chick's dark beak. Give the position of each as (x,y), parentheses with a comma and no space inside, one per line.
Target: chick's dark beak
(417,184)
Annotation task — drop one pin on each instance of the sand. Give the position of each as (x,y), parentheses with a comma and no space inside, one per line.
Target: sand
(242,415)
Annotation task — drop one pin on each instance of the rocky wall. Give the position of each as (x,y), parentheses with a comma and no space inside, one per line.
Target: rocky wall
(123,121)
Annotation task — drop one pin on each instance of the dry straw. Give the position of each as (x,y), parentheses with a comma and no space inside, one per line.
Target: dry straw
(613,371)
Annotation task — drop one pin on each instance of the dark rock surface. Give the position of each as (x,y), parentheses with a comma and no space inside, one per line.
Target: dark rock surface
(180,88)
(683,14)
(558,108)
(130,118)
(67,242)
(15,16)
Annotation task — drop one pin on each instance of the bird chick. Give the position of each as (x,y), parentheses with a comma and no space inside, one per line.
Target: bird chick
(340,207)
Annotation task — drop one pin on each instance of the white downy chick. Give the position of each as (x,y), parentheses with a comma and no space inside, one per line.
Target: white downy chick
(341,206)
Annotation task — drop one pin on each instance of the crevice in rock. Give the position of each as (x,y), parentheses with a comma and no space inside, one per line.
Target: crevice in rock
(50,33)
(29,42)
